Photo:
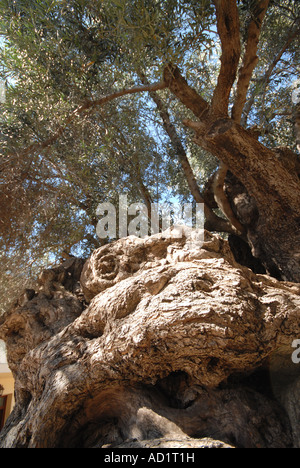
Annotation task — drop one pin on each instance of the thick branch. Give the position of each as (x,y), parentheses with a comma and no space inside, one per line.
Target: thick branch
(213,222)
(252,163)
(180,88)
(257,167)
(229,31)
(250,59)
(222,199)
(245,74)
(191,99)
(179,149)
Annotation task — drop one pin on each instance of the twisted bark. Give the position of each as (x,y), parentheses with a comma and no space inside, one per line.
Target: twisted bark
(274,188)
(164,351)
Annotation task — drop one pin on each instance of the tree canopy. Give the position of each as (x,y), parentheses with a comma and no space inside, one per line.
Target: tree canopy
(90,110)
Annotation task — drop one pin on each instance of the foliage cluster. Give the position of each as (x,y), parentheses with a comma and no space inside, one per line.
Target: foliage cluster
(55,55)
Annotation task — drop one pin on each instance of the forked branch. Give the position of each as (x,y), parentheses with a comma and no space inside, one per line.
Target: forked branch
(228,23)
(250,58)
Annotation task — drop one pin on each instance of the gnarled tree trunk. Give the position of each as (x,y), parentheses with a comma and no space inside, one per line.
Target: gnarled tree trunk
(158,342)
(177,346)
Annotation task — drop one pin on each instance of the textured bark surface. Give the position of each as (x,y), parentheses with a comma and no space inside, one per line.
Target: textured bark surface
(273,187)
(172,346)
(268,180)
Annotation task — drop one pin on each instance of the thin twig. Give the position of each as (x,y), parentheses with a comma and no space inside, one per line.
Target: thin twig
(88,106)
